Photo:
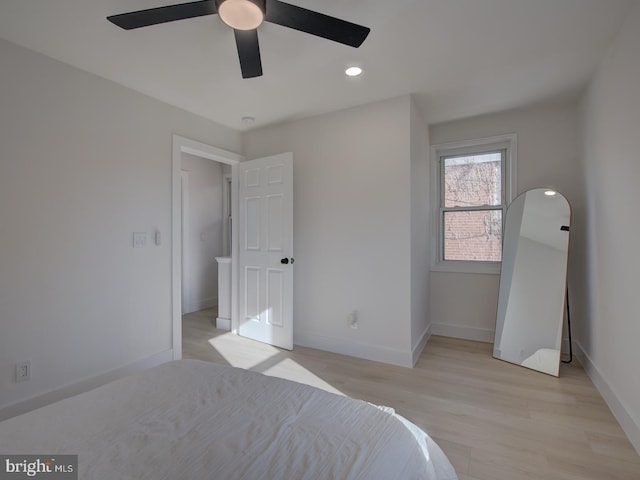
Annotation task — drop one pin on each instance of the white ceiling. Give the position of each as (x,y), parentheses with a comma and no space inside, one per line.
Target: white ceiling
(458,57)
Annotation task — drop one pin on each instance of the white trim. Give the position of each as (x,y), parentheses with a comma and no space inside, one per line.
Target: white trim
(353,348)
(235,209)
(419,347)
(223,323)
(508,141)
(227,182)
(626,419)
(464,332)
(185,276)
(203,303)
(185,145)
(24,406)
(204,150)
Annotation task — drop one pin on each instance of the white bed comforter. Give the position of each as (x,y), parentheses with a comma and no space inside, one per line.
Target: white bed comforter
(189,419)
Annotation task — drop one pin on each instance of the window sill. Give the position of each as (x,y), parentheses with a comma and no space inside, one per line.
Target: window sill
(483,268)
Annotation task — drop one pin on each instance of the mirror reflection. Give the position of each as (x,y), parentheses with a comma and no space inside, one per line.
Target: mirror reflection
(531,299)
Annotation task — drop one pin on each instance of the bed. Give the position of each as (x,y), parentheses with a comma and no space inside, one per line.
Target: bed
(189,419)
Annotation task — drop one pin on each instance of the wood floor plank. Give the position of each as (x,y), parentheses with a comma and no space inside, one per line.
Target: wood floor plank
(495,420)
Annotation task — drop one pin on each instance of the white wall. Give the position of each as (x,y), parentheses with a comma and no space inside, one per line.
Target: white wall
(464,305)
(352,227)
(204,239)
(84,163)
(609,261)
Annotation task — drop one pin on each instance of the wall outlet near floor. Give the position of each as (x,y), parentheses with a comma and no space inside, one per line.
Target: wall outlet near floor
(23,371)
(352,319)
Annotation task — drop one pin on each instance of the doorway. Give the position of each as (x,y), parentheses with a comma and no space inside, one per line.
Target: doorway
(184,148)
(204,225)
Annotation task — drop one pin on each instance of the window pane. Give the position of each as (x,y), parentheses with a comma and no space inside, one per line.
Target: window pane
(473,180)
(474,235)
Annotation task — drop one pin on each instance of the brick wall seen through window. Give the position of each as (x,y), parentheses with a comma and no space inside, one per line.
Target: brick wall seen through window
(472,203)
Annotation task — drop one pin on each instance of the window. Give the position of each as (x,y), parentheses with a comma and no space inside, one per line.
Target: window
(473,189)
(471,206)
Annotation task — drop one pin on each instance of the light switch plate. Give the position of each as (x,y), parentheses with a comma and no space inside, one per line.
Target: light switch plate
(139,239)
(23,371)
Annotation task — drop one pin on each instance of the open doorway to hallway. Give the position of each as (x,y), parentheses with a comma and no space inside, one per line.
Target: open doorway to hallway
(181,147)
(206,236)
(197,329)
(203,231)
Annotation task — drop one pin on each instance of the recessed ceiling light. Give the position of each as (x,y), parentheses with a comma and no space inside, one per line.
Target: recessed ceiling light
(353,71)
(550,193)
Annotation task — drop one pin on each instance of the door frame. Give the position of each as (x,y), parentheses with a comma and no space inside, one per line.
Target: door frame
(184,252)
(227,187)
(185,145)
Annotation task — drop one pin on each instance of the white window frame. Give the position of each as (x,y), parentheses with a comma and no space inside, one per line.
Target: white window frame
(506,142)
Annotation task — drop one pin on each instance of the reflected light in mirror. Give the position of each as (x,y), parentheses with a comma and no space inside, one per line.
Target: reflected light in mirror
(550,193)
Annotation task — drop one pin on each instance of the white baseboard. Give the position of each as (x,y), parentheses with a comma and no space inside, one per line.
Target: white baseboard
(204,303)
(417,350)
(462,331)
(85,385)
(629,424)
(223,323)
(353,348)
(473,333)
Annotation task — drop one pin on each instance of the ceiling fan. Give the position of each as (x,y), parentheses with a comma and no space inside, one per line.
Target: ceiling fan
(244,16)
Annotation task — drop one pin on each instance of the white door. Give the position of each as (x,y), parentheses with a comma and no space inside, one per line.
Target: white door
(265,260)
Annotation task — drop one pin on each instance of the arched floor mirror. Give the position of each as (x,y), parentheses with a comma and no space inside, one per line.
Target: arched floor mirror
(533,281)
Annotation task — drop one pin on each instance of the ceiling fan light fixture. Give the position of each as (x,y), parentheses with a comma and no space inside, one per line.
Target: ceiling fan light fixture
(241,14)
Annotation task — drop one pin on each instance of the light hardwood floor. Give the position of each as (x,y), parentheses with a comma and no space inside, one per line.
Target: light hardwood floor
(494,420)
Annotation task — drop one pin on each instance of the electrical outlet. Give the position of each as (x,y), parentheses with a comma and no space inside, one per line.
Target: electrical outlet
(23,371)
(352,319)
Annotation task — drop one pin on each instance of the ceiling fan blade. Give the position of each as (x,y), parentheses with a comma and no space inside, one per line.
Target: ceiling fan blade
(315,23)
(170,13)
(249,53)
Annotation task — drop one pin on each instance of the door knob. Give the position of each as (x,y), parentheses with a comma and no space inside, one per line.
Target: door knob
(284,261)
